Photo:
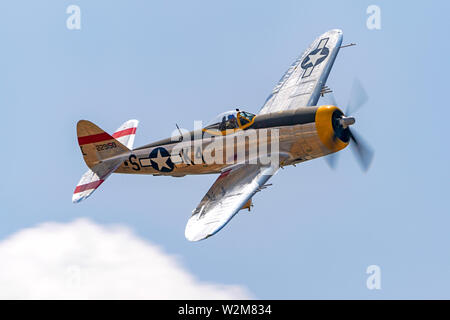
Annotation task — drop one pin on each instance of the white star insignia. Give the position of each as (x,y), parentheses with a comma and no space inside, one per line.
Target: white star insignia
(314,57)
(161,161)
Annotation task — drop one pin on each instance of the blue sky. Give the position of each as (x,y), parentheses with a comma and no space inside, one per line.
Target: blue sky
(315,231)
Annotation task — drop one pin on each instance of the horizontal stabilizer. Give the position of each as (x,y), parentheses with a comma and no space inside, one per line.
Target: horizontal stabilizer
(126,132)
(93,178)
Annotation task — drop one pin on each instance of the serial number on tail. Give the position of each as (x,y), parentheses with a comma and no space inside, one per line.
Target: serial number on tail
(106,146)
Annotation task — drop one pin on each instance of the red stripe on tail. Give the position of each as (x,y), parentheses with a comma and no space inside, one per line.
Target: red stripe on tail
(88,186)
(124,132)
(94,138)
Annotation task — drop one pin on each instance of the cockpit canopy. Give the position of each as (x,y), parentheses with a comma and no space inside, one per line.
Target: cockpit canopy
(230,121)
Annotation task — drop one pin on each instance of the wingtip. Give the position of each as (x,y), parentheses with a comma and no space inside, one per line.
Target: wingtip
(336,30)
(194,234)
(333,31)
(194,237)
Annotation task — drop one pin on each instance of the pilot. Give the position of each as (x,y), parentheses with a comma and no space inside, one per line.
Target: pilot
(232,122)
(223,124)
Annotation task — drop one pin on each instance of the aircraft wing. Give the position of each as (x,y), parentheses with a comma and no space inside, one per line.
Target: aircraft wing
(231,191)
(300,86)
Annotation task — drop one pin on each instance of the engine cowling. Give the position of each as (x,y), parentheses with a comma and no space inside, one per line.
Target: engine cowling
(332,127)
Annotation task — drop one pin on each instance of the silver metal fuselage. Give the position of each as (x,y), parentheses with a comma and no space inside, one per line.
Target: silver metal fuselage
(298,140)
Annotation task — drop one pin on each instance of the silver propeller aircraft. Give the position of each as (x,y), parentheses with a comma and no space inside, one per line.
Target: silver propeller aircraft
(243,148)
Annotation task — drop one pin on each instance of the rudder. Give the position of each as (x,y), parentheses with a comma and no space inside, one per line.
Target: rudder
(96,145)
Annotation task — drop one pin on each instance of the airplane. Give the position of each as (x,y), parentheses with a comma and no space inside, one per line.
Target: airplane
(290,127)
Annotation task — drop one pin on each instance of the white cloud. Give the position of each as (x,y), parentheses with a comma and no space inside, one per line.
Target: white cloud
(84,260)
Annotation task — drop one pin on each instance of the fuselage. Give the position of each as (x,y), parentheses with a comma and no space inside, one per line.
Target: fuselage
(291,136)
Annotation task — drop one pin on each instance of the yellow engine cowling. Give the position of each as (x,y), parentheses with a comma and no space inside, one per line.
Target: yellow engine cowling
(326,131)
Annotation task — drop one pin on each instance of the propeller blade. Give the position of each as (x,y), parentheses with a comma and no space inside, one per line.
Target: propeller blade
(364,153)
(331,160)
(358,97)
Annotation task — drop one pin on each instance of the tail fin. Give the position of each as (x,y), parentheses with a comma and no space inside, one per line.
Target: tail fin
(96,145)
(102,153)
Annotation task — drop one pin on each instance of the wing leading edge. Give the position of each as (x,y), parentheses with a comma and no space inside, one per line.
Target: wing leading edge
(225,198)
(300,86)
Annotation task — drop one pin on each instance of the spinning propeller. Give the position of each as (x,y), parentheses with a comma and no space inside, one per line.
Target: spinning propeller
(342,123)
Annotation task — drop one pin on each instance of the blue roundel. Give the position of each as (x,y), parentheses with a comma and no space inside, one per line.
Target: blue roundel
(160,160)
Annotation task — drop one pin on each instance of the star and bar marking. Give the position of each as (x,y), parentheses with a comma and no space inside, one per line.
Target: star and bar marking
(315,57)
(159,159)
